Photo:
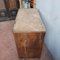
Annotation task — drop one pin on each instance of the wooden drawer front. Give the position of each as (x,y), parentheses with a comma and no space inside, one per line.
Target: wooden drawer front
(29,45)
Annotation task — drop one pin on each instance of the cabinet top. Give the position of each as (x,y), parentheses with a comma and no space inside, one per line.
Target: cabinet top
(28,20)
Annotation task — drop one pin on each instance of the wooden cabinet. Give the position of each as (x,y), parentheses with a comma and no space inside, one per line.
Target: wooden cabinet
(29,33)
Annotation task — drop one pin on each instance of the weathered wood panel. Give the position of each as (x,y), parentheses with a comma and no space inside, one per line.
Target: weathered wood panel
(29,45)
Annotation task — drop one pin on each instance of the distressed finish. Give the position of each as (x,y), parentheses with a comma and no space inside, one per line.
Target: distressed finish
(29,33)
(29,44)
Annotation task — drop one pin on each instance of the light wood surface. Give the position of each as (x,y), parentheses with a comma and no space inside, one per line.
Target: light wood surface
(28,20)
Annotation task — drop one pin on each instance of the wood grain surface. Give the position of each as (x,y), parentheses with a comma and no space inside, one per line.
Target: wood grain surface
(12,4)
(29,45)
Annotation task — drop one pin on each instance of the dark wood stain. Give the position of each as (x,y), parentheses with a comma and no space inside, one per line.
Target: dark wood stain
(31,3)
